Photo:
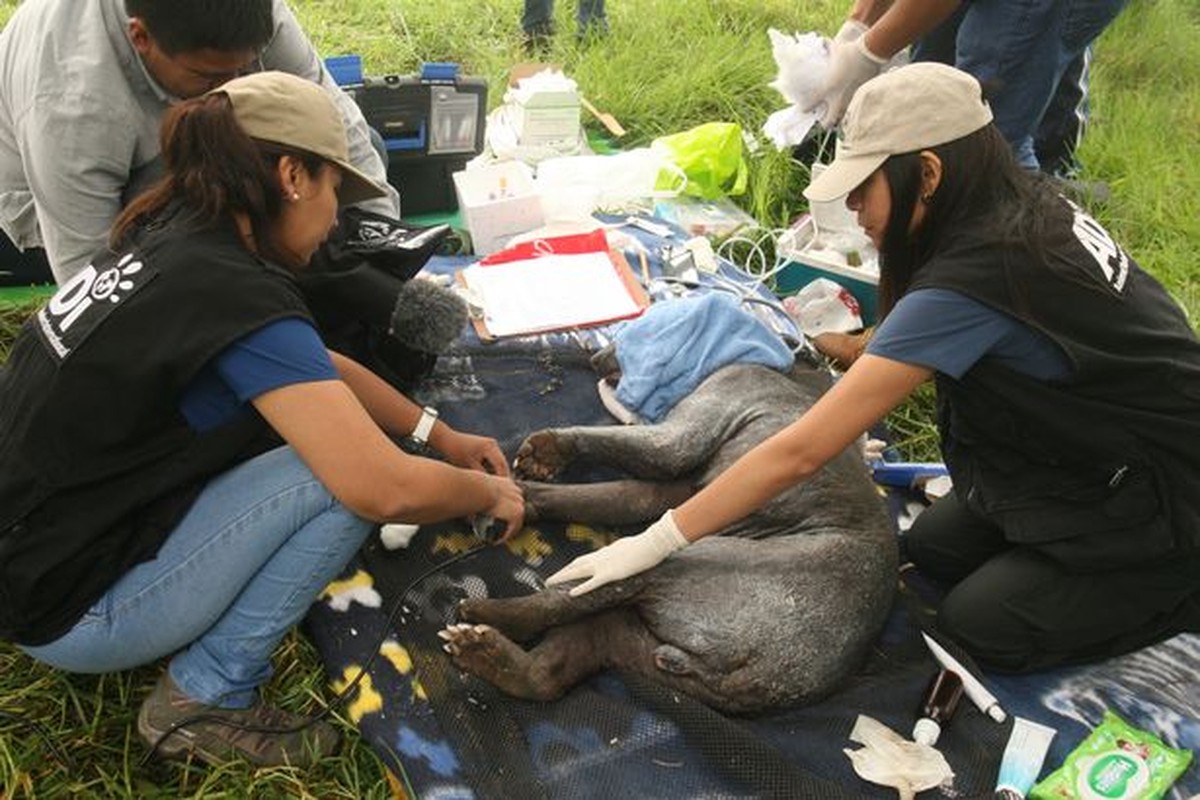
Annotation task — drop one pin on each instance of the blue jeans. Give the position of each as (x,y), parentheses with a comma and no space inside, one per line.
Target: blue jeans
(1022,48)
(538,16)
(242,567)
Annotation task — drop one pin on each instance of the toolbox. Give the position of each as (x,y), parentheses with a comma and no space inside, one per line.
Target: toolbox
(432,124)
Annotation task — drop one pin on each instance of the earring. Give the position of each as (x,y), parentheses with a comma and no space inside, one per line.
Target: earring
(926,198)
(295,196)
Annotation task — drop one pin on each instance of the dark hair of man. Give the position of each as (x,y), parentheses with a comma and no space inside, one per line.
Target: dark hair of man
(185,26)
(214,170)
(983,187)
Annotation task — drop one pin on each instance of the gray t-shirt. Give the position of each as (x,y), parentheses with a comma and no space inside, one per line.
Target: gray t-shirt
(79,122)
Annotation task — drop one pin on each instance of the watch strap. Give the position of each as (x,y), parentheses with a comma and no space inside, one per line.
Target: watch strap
(425,424)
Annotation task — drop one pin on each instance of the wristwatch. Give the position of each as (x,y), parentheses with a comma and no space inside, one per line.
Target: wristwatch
(420,434)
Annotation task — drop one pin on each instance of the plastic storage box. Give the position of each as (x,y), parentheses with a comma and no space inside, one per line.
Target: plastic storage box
(806,265)
(497,202)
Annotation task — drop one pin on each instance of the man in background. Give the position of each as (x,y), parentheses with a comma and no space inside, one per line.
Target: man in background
(83,86)
(1021,52)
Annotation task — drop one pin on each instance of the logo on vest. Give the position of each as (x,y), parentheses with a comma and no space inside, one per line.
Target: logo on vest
(1113,261)
(86,300)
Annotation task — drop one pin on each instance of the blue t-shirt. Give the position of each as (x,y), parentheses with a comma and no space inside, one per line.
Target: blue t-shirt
(949,332)
(280,353)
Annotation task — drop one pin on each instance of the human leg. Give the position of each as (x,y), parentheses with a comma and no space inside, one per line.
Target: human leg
(1065,120)
(590,17)
(940,44)
(242,567)
(1022,611)
(948,541)
(1013,47)
(1023,48)
(538,17)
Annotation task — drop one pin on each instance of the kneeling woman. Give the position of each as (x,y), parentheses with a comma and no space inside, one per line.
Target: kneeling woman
(146,507)
(1068,387)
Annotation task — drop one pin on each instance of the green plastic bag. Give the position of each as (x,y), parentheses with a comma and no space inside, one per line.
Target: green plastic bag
(711,157)
(1115,762)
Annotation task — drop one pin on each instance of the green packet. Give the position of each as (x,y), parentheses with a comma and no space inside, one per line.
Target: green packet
(1115,762)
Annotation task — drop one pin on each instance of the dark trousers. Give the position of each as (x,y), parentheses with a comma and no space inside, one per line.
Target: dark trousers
(22,268)
(1014,609)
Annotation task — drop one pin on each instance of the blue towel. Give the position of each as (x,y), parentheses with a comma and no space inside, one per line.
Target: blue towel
(665,353)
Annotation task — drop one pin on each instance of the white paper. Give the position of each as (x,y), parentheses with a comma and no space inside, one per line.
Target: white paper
(550,292)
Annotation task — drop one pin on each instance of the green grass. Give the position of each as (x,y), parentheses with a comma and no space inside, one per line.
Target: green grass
(666,66)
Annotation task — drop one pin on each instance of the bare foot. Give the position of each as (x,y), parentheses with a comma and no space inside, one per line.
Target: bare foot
(542,456)
(483,651)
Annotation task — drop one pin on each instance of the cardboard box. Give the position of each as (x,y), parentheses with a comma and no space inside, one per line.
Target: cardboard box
(497,202)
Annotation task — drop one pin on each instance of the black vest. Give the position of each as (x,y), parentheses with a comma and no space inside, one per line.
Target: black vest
(1101,470)
(97,465)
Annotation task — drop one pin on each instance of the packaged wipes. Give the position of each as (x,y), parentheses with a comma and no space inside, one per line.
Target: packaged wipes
(1115,762)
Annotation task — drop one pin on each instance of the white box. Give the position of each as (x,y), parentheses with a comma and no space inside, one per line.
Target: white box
(547,124)
(548,117)
(497,202)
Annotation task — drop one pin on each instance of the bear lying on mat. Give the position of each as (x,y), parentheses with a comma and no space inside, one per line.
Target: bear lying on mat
(776,611)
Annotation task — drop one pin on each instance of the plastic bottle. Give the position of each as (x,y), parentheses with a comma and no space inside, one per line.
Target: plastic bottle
(937,705)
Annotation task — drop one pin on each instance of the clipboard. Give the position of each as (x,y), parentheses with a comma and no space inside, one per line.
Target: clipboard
(523,276)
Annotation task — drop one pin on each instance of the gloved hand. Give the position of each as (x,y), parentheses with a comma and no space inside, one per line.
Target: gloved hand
(622,558)
(851,65)
(851,29)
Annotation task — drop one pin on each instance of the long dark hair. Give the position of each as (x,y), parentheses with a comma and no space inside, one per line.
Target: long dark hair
(982,186)
(214,170)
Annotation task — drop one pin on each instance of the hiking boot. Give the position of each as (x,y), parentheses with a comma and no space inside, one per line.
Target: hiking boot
(262,735)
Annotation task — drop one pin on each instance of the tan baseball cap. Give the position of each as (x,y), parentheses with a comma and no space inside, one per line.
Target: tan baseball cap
(288,110)
(902,111)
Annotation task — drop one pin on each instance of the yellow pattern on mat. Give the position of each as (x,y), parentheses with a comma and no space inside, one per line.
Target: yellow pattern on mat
(395,652)
(368,700)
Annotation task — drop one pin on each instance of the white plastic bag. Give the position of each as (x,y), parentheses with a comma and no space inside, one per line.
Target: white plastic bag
(610,182)
(802,59)
(824,306)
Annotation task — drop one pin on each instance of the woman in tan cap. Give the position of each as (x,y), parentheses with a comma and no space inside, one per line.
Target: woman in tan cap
(1068,386)
(146,505)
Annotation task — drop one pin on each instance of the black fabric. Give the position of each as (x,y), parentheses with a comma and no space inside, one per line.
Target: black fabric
(351,287)
(1017,609)
(1101,470)
(97,465)
(22,268)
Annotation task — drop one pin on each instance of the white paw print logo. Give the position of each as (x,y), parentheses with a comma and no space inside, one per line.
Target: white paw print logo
(116,278)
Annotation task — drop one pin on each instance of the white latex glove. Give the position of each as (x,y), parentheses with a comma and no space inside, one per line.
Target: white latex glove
(622,558)
(851,29)
(851,65)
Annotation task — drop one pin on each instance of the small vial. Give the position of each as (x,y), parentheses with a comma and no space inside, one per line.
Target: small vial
(937,706)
